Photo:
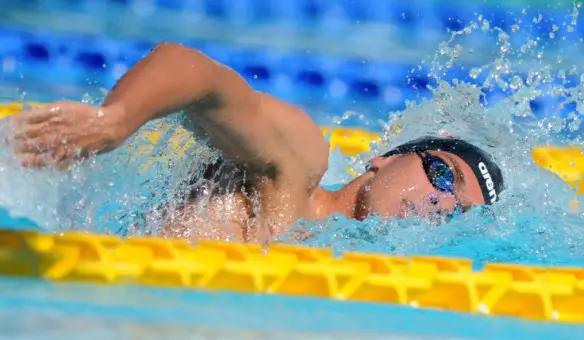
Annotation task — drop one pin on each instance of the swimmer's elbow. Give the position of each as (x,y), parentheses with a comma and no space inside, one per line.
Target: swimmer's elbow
(205,77)
(162,44)
(174,48)
(188,58)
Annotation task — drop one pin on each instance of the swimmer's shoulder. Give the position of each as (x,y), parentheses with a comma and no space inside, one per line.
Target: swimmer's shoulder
(305,144)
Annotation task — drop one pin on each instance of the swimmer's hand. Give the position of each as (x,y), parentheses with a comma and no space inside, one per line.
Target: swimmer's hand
(61,133)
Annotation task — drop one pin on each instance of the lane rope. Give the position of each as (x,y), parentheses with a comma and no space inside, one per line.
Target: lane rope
(537,293)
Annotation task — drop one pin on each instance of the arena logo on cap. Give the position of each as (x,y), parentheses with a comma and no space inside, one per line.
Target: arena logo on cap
(488,181)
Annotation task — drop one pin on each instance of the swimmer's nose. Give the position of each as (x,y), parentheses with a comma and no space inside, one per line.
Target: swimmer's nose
(374,164)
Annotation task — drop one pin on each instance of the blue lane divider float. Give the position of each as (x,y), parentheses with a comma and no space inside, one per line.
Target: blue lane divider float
(415,14)
(77,58)
(66,57)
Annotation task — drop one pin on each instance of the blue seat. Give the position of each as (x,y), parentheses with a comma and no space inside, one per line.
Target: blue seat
(92,54)
(37,51)
(216,9)
(91,60)
(360,79)
(254,65)
(311,9)
(304,70)
(40,47)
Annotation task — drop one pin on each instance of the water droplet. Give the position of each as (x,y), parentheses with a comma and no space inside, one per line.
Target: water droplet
(348,114)
(537,19)
(87,99)
(516,83)
(474,72)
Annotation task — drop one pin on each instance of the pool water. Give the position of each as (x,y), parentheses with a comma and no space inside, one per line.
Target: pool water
(31,309)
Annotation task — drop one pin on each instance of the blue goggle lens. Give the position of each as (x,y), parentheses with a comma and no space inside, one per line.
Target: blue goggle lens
(438,172)
(441,176)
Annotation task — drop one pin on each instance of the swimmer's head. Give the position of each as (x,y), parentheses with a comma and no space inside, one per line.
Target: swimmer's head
(431,176)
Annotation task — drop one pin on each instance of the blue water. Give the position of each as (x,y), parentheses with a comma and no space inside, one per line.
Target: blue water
(34,309)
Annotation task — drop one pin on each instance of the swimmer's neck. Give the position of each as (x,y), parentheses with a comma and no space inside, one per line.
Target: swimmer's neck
(345,201)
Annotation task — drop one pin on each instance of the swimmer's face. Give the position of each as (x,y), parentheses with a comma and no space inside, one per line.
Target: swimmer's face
(427,184)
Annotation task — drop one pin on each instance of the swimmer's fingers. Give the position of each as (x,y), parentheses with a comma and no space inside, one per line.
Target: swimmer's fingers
(37,115)
(36,145)
(30,131)
(60,157)
(35,160)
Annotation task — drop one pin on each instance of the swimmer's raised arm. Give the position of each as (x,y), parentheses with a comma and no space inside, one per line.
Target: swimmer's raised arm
(254,128)
(173,78)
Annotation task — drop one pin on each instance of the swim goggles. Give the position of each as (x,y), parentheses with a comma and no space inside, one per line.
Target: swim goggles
(438,172)
(441,177)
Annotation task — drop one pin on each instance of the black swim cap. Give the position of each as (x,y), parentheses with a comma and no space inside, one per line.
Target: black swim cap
(486,171)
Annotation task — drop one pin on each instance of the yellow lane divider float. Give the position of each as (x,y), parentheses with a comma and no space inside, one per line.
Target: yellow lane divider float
(566,162)
(554,294)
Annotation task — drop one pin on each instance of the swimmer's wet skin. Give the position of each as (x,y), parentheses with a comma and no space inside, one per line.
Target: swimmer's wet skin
(279,148)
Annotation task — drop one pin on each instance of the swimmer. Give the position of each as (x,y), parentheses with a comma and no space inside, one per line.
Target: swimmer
(273,147)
